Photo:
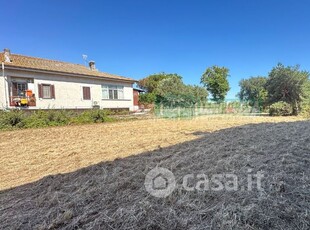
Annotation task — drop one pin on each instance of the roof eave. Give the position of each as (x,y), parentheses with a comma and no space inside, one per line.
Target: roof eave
(68,74)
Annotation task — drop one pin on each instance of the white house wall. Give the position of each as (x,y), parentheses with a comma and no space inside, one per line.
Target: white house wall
(68,91)
(2,92)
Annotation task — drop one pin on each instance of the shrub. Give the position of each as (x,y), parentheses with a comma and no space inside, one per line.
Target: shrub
(36,120)
(60,117)
(42,118)
(92,116)
(147,98)
(280,109)
(9,119)
(98,116)
(305,111)
(46,118)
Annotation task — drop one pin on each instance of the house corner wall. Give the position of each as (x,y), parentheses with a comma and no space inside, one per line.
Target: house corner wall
(3,91)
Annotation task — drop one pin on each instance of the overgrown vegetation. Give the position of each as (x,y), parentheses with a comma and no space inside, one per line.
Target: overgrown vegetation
(286,90)
(17,119)
(280,109)
(11,119)
(305,112)
(305,105)
(286,83)
(253,91)
(170,91)
(147,98)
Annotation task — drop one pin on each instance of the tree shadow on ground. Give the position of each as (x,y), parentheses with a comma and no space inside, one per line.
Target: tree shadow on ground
(112,195)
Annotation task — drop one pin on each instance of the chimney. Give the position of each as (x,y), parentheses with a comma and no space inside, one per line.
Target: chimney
(92,66)
(7,55)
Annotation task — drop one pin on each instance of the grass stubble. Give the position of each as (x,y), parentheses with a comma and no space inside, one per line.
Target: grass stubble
(93,175)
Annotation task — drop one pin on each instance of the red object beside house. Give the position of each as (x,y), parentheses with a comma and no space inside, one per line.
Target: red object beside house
(135,97)
(136,93)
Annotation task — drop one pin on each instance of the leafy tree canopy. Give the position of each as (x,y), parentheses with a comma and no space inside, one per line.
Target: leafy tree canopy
(253,91)
(169,90)
(215,79)
(199,93)
(306,92)
(150,83)
(172,84)
(287,83)
(173,92)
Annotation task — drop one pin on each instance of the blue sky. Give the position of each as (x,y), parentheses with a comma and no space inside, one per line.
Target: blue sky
(136,38)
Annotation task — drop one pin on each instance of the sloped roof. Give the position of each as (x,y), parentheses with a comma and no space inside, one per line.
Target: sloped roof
(139,90)
(33,63)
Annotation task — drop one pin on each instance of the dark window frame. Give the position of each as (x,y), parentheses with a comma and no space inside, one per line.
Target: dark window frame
(51,89)
(86,93)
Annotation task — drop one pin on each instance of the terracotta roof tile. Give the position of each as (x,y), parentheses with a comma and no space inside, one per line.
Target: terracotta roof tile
(21,61)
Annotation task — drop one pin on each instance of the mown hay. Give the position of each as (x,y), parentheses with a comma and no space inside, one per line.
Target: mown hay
(28,155)
(111,195)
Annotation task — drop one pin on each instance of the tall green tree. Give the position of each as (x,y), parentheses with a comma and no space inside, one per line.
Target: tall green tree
(253,90)
(169,90)
(200,94)
(286,83)
(150,83)
(215,79)
(173,92)
(172,85)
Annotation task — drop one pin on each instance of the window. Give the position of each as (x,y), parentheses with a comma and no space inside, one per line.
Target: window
(46,91)
(21,88)
(86,93)
(18,89)
(112,92)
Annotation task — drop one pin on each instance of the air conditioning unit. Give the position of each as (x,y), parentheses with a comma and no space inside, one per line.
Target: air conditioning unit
(96,105)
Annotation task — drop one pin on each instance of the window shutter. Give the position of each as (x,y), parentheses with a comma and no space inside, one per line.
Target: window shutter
(52,91)
(40,90)
(14,89)
(83,90)
(86,93)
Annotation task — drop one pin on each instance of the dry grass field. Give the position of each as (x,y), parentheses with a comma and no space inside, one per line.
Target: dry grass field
(28,155)
(92,176)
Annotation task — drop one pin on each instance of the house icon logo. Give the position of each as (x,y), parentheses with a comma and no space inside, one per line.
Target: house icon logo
(159,182)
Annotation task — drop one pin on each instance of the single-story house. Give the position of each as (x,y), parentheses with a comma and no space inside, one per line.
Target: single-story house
(37,83)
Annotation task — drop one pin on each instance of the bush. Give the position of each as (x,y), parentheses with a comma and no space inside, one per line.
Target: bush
(147,98)
(9,119)
(93,116)
(305,110)
(46,118)
(280,109)
(99,116)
